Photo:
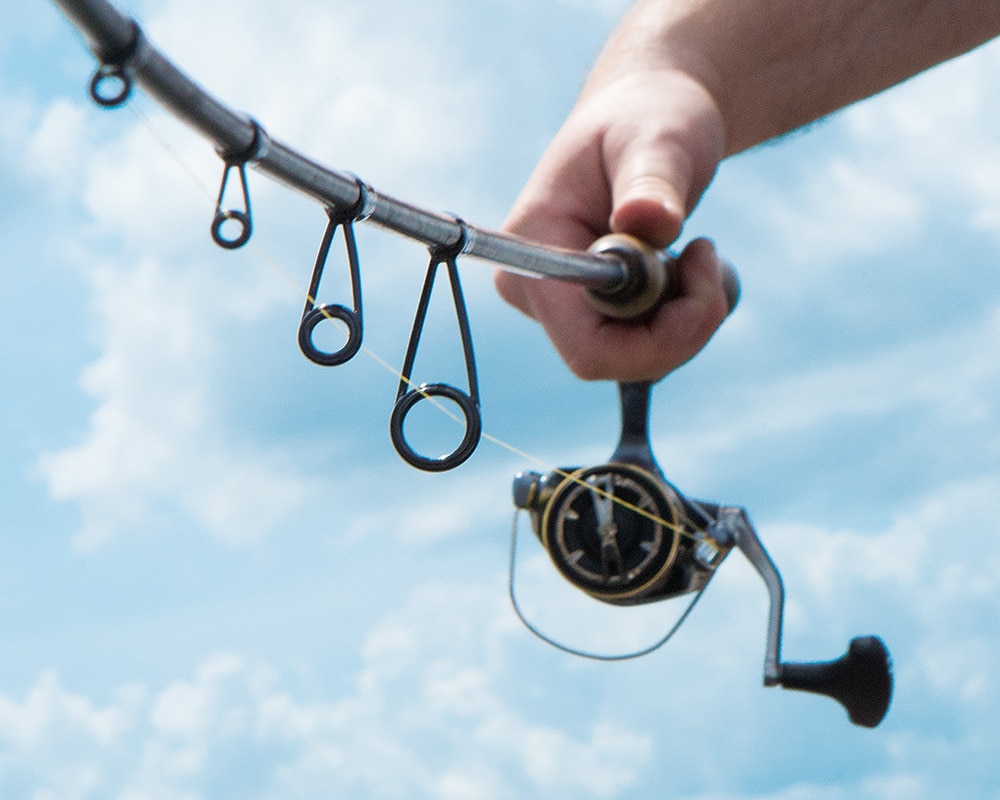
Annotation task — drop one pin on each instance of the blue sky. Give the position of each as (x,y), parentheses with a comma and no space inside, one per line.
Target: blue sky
(219,581)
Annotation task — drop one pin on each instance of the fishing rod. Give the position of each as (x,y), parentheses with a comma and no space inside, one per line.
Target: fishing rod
(619,532)
(127,56)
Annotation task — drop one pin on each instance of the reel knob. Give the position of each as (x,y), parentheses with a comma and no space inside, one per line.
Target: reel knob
(861,680)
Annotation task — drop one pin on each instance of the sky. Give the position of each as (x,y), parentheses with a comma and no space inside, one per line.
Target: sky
(217,578)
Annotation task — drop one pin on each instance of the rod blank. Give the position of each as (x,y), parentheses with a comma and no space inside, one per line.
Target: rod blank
(115,38)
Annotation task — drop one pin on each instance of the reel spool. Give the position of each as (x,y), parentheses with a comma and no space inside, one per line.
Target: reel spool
(624,535)
(619,532)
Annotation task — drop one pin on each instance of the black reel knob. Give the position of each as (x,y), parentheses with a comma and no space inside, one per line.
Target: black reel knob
(861,680)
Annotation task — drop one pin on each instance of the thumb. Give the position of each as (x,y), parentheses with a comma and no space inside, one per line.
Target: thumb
(646,202)
(660,164)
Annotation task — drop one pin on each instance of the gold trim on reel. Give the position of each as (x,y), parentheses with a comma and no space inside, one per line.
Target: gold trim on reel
(619,533)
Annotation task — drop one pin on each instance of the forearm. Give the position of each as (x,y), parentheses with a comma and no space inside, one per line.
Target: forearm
(774,65)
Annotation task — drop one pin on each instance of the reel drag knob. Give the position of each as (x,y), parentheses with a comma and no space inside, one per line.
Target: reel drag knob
(861,680)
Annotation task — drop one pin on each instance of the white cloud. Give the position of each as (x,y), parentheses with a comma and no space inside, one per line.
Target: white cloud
(844,208)
(448,702)
(334,82)
(938,133)
(57,145)
(466,502)
(603,766)
(440,708)
(916,161)
(426,717)
(49,711)
(888,787)
(933,576)
(945,372)
(154,443)
(55,743)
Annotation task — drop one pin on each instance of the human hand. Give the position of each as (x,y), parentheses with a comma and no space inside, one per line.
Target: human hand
(633,157)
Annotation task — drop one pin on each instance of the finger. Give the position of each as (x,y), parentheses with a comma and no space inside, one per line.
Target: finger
(595,347)
(661,163)
(567,201)
(686,322)
(648,197)
(629,351)
(515,290)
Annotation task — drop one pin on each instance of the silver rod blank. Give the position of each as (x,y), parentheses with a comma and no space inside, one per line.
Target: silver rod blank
(117,39)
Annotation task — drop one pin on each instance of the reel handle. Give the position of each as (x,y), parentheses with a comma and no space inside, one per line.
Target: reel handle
(861,680)
(650,278)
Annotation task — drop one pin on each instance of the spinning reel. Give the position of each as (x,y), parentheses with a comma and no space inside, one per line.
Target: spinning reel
(624,535)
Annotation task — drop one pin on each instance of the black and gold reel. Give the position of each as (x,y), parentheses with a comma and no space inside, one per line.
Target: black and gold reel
(624,535)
